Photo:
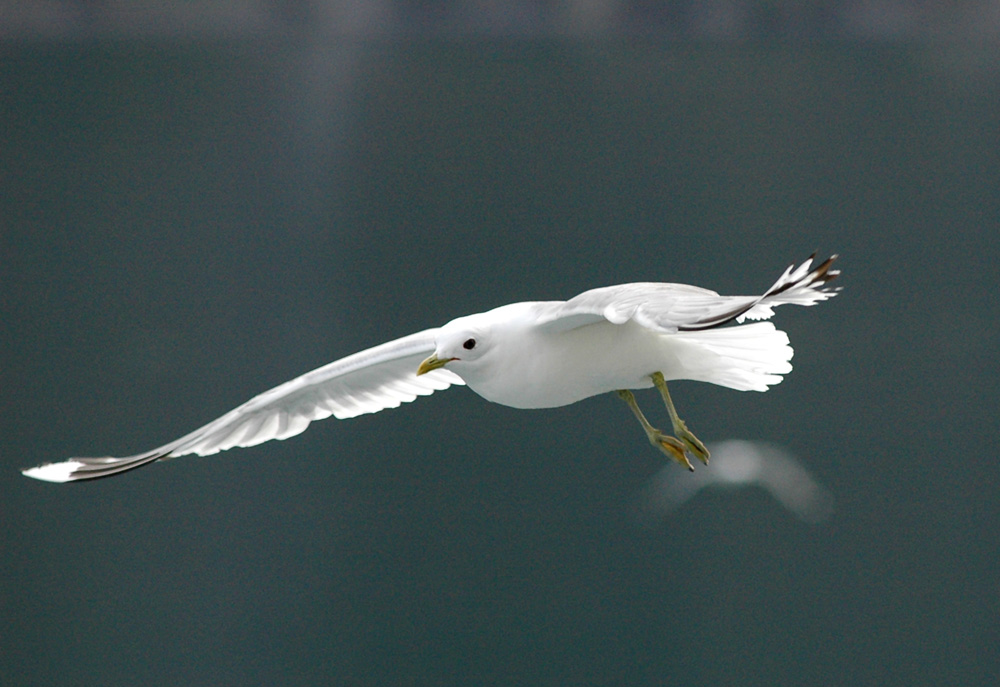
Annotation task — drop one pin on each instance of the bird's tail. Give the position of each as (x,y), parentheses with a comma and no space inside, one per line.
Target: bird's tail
(749,357)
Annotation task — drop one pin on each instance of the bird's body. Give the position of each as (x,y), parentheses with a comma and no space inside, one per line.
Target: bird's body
(569,365)
(565,366)
(538,354)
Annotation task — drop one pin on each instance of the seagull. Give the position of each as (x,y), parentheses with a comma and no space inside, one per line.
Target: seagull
(537,354)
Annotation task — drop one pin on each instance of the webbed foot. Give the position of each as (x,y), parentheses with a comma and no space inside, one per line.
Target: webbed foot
(672,446)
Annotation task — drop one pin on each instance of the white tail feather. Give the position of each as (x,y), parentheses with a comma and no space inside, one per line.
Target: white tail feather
(750,357)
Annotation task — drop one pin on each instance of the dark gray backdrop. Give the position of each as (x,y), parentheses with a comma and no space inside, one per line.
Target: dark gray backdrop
(187,224)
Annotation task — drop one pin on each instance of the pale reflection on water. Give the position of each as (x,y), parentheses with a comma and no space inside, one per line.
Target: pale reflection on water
(736,464)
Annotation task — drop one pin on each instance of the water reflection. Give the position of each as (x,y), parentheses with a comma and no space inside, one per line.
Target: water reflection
(735,464)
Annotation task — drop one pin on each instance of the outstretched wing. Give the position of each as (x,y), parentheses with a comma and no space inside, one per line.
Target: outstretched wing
(366,382)
(678,307)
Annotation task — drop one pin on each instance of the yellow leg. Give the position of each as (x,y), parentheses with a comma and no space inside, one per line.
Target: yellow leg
(671,446)
(691,442)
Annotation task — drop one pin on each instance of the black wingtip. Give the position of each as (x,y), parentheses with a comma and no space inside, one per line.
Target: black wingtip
(823,273)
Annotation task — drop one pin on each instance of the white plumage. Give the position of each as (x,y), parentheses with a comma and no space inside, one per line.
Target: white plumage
(525,355)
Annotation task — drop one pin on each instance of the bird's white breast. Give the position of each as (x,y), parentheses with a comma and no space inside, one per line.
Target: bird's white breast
(533,367)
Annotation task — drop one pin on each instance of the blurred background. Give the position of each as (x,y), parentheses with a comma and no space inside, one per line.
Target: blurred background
(203,200)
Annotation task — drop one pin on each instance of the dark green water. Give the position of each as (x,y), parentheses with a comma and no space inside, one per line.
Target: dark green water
(183,226)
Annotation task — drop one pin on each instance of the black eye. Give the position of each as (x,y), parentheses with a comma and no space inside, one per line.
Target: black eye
(469,344)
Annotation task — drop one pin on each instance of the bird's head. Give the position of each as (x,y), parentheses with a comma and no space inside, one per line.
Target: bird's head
(460,344)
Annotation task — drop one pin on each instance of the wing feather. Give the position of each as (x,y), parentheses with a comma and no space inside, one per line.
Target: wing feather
(366,382)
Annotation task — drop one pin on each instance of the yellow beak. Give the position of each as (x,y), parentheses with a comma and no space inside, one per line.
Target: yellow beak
(432,363)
